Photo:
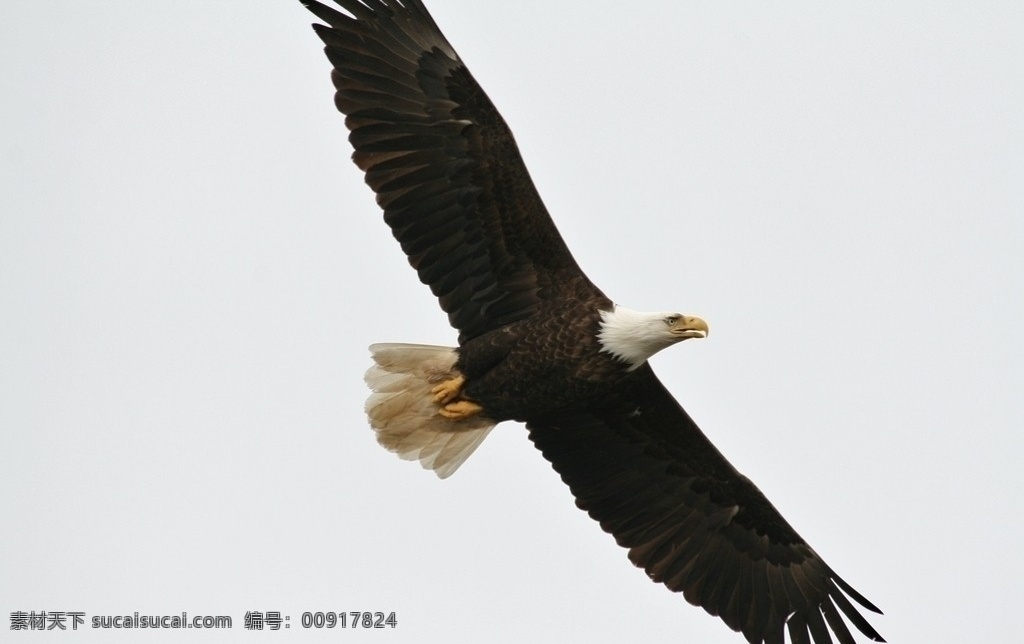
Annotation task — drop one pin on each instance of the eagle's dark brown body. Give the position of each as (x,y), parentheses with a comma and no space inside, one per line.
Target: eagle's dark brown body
(535,366)
(458,198)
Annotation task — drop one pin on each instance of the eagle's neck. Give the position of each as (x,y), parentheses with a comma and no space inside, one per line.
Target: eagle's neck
(633,336)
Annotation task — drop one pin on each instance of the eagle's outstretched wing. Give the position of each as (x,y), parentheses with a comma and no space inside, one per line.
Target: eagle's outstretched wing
(639,465)
(445,167)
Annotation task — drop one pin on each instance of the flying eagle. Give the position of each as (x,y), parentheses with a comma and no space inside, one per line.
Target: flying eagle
(540,344)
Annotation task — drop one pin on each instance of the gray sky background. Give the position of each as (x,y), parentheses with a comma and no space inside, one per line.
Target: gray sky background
(191,270)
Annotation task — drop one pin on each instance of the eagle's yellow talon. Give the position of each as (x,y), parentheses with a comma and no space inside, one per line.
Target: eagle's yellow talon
(448,390)
(460,409)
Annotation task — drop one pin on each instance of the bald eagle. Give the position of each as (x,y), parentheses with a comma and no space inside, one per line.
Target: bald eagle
(540,344)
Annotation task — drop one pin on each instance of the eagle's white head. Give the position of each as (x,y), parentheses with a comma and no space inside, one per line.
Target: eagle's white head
(634,336)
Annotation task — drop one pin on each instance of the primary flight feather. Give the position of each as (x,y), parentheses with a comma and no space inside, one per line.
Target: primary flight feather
(540,344)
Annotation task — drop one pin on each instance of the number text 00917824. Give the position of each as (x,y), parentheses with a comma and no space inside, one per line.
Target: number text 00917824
(351,619)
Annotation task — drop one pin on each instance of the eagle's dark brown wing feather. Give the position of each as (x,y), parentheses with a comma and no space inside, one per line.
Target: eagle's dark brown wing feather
(445,167)
(639,465)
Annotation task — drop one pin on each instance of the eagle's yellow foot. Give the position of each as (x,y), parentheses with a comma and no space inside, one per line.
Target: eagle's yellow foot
(448,390)
(460,409)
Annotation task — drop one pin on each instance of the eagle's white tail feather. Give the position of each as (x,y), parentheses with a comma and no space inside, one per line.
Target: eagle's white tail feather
(404,415)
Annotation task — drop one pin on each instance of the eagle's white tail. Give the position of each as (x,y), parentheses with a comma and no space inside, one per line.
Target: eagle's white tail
(404,415)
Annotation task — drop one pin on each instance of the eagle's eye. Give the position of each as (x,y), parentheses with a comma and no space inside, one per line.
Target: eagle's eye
(671,320)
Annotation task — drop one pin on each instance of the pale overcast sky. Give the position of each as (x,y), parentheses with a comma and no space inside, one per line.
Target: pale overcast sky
(191,270)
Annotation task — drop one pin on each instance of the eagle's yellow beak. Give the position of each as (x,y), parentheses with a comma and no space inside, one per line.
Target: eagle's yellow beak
(688,326)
